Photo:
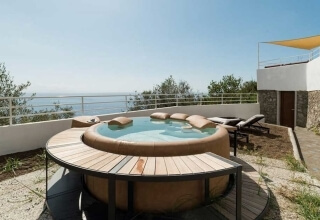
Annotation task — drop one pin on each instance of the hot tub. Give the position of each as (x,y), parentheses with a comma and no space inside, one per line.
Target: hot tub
(149,137)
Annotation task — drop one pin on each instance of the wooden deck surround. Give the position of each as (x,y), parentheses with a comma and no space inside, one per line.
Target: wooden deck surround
(68,150)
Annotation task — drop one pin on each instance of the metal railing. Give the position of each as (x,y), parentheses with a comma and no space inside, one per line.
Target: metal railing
(291,59)
(12,111)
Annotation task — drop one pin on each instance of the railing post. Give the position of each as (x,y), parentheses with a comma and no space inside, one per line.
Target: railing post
(155,101)
(258,55)
(221,98)
(177,104)
(126,98)
(310,56)
(201,96)
(240,98)
(82,106)
(10,111)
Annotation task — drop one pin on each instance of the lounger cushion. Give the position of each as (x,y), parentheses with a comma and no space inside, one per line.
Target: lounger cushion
(179,116)
(160,115)
(201,123)
(241,123)
(192,117)
(225,121)
(251,120)
(120,121)
(84,121)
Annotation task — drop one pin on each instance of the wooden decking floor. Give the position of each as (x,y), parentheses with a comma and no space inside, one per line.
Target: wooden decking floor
(255,195)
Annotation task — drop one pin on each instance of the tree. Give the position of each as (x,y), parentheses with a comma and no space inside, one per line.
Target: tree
(228,84)
(20,104)
(249,87)
(165,94)
(231,84)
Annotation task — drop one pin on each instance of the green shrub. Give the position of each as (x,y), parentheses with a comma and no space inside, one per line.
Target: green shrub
(12,164)
(293,164)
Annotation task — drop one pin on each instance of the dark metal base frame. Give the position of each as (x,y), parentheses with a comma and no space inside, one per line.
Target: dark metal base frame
(65,205)
(237,135)
(259,127)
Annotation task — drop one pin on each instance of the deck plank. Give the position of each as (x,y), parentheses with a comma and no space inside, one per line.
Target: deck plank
(97,160)
(112,164)
(150,167)
(139,166)
(88,156)
(259,203)
(211,163)
(223,211)
(67,136)
(85,151)
(126,169)
(104,162)
(182,167)
(62,148)
(171,166)
(205,167)
(255,198)
(71,151)
(191,165)
(217,161)
(161,168)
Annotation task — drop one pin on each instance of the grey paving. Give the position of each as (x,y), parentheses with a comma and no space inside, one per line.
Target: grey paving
(309,144)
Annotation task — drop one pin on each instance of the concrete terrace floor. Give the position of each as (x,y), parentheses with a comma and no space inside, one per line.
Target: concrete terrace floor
(23,197)
(309,144)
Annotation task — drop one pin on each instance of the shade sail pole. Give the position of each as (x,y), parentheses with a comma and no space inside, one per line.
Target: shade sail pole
(258,54)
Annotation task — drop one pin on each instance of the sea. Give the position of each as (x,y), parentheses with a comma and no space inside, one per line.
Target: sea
(93,103)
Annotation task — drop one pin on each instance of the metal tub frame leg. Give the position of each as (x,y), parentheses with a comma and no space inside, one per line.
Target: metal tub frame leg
(112,198)
(238,192)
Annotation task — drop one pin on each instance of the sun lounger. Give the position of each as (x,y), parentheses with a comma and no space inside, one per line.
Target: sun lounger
(225,121)
(253,123)
(230,123)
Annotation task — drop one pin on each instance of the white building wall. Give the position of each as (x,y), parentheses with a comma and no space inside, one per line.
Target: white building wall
(313,75)
(30,136)
(304,77)
(283,78)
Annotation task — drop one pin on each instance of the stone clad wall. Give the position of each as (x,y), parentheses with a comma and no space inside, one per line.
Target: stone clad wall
(268,105)
(302,108)
(313,118)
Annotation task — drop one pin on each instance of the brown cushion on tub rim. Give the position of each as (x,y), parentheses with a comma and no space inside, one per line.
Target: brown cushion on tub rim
(120,121)
(201,123)
(84,121)
(192,117)
(160,115)
(179,116)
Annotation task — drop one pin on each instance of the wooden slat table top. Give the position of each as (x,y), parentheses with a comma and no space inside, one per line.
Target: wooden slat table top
(70,136)
(76,154)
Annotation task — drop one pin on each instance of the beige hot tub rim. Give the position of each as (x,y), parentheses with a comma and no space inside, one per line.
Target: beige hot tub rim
(177,148)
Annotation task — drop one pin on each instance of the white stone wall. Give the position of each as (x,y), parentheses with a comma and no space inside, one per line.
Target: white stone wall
(283,78)
(24,137)
(313,75)
(298,77)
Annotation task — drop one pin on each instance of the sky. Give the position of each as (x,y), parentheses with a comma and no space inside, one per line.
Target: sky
(126,46)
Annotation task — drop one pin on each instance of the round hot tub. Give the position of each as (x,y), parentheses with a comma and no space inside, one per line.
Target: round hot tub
(148,137)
